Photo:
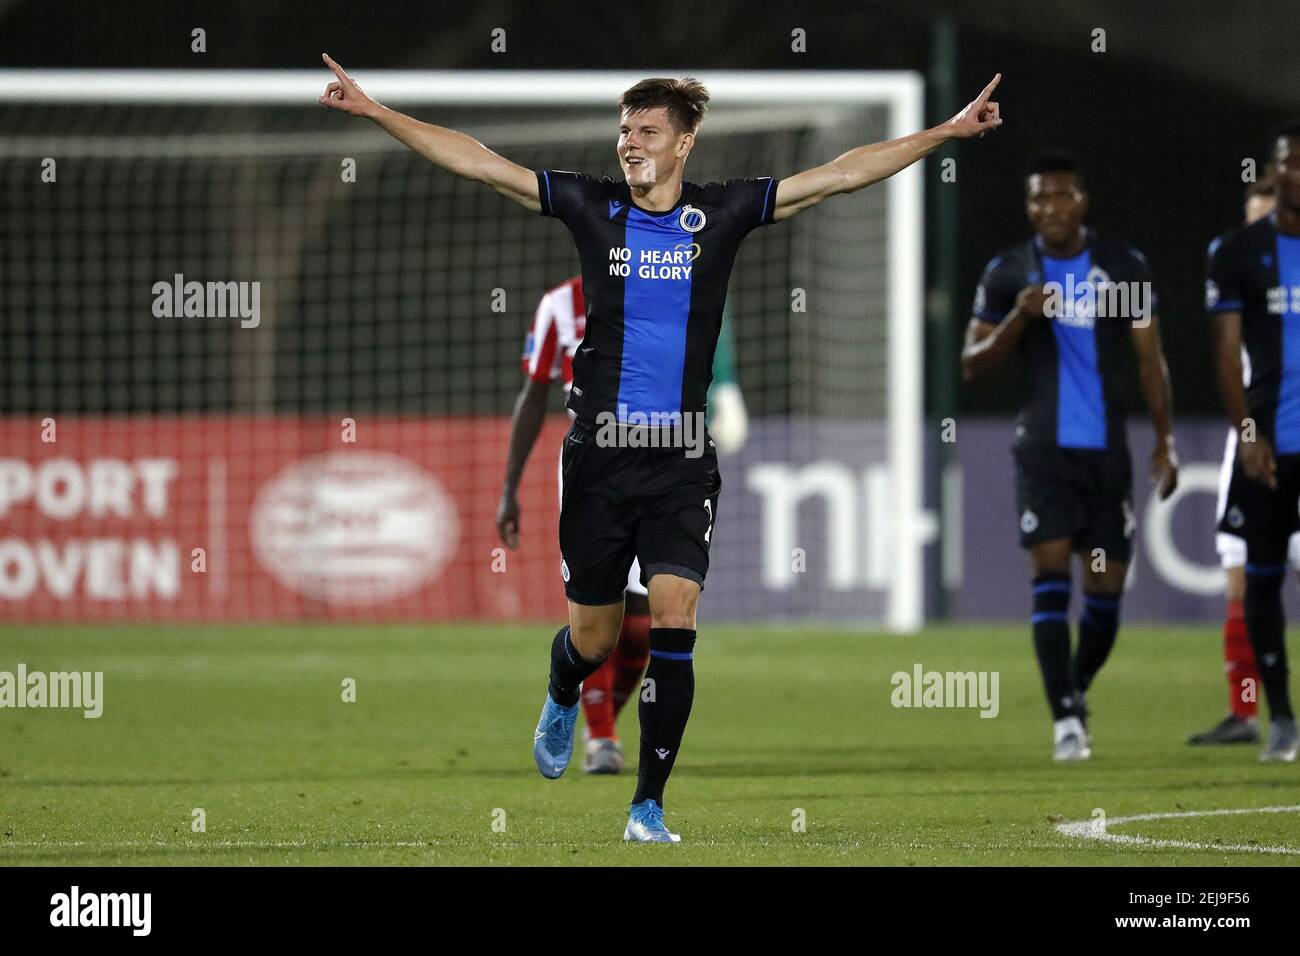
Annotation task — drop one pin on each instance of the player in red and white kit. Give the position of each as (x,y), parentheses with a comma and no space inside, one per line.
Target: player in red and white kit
(557,330)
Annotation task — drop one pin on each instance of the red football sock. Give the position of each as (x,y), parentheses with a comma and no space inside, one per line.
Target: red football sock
(1239,663)
(630,657)
(598,700)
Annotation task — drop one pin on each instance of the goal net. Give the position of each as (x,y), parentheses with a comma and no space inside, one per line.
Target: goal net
(259,359)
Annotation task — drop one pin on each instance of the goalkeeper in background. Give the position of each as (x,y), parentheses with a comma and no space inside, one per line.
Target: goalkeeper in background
(557,330)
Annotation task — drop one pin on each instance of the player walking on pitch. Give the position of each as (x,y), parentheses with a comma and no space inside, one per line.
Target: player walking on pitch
(1240,726)
(656,253)
(1252,293)
(1055,299)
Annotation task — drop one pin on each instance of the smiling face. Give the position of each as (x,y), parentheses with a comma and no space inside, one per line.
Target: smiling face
(1056,204)
(649,149)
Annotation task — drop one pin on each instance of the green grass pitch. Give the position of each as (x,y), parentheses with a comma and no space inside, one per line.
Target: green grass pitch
(248,724)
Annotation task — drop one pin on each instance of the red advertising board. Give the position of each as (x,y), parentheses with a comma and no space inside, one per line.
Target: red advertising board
(272,518)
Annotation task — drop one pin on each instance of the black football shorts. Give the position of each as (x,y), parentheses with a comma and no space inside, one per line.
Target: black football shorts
(1076,493)
(1264,517)
(619,503)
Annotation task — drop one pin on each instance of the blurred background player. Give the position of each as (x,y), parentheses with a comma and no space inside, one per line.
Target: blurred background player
(1073,474)
(1240,726)
(559,324)
(1252,291)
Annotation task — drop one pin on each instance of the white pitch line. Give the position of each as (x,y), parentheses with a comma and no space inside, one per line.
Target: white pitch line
(1086,829)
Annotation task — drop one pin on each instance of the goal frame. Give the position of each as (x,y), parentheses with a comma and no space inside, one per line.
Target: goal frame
(902,92)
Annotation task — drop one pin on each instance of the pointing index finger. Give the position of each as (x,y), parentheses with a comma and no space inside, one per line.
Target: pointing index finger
(338,70)
(988,90)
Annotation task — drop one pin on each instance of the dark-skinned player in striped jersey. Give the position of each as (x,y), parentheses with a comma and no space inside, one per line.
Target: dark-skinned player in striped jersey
(1073,304)
(1240,725)
(1252,293)
(656,252)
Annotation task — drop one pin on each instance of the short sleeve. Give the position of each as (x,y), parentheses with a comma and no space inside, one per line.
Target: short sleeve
(996,293)
(540,359)
(1222,278)
(563,193)
(752,202)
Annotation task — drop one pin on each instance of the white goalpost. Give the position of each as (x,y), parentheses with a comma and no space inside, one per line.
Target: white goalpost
(373,292)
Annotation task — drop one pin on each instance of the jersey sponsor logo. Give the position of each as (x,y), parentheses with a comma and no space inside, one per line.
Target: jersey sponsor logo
(692,219)
(652,263)
(1283,300)
(1028,522)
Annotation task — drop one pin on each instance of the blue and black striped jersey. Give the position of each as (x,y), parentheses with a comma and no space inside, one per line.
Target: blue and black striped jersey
(655,285)
(1076,360)
(1255,270)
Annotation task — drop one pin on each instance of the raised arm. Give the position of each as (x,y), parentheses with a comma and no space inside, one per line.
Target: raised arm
(453,151)
(861,167)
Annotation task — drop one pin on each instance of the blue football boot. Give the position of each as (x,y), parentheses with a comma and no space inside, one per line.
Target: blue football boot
(553,738)
(645,824)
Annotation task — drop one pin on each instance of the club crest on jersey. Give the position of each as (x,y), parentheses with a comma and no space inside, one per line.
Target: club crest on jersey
(691,219)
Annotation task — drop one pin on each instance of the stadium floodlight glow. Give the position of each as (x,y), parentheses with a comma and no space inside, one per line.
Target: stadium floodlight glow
(856,346)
